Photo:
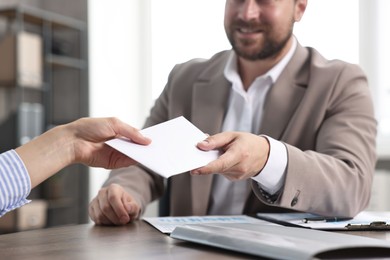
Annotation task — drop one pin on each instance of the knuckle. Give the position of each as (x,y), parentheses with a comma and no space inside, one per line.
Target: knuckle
(245,155)
(106,209)
(242,169)
(112,197)
(112,121)
(113,186)
(224,166)
(102,192)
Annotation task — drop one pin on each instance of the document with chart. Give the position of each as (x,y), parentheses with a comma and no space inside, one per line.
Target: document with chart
(168,224)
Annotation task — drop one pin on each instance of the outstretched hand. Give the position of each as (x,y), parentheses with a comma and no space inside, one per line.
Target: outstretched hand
(90,135)
(244,155)
(81,141)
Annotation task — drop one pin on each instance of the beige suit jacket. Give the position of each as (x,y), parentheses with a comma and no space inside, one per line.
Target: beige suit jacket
(320,109)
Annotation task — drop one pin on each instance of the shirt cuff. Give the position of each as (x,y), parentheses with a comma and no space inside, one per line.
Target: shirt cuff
(271,178)
(15,182)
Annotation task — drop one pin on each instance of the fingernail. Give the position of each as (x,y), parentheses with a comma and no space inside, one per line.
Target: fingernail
(204,142)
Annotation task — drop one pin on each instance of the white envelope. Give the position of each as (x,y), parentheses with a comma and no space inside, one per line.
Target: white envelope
(173,149)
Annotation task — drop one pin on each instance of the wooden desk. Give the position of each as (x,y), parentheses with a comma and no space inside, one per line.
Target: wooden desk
(138,240)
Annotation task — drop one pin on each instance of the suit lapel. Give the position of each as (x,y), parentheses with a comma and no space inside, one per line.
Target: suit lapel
(210,97)
(209,105)
(284,96)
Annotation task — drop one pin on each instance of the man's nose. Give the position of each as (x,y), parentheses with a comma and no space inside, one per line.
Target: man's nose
(250,10)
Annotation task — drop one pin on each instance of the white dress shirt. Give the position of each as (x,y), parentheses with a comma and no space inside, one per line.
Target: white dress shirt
(244,114)
(15,184)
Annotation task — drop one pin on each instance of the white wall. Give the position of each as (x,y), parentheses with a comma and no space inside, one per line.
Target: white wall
(183,30)
(375,60)
(119,60)
(332,27)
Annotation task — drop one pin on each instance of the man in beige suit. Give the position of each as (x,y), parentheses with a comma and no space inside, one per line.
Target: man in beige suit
(297,131)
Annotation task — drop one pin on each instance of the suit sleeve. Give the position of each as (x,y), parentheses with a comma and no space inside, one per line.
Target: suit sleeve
(334,176)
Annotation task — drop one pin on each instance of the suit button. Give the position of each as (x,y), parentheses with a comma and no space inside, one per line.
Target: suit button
(295,199)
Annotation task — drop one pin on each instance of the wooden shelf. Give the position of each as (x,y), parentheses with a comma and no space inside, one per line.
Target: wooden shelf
(63,61)
(60,203)
(63,96)
(39,17)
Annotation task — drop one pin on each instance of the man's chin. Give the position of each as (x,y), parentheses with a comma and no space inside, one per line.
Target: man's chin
(248,54)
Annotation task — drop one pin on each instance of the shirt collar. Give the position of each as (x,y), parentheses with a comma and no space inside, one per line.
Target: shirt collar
(231,71)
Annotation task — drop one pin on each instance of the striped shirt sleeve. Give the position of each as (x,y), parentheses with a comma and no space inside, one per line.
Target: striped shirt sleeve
(15,184)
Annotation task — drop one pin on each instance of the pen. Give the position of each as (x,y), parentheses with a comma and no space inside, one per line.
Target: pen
(324,219)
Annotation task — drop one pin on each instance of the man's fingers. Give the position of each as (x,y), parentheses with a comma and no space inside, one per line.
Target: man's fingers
(107,211)
(221,165)
(109,203)
(96,214)
(133,210)
(216,141)
(115,199)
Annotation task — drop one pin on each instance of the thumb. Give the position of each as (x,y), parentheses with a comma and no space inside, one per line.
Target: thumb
(132,208)
(216,141)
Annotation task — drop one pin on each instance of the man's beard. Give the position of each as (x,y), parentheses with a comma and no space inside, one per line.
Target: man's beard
(271,47)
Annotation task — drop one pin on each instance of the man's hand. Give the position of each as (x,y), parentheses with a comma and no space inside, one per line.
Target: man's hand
(113,206)
(244,155)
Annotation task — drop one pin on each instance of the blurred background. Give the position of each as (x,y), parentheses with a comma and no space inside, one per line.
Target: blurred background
(62,60)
